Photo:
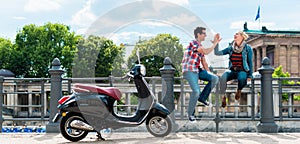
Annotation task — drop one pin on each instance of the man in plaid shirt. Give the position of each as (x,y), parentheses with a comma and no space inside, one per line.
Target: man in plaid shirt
(193,58)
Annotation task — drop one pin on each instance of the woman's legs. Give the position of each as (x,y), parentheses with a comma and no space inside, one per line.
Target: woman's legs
(227,76)
(242,79)
(242,82)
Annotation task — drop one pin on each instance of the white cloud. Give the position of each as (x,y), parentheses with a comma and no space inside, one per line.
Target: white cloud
(129,37)
(84,17)
(81,31)
(41,5)
(154,24)
(179,2)
(19,18)
(183,19)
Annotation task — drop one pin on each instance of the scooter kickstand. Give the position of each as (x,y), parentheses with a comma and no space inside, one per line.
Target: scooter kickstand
(99,136)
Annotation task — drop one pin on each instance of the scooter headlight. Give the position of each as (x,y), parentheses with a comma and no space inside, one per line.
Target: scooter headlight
(143,70)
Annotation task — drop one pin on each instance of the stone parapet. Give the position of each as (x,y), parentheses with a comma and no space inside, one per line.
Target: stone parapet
(224,126)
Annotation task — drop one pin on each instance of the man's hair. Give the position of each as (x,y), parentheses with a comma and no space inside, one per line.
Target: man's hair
(198,30)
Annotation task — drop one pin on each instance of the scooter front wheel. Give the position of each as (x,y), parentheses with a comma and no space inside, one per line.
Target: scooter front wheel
(70,133)
(159,126)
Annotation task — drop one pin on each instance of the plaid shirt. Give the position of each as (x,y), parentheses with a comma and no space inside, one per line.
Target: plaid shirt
(191,57)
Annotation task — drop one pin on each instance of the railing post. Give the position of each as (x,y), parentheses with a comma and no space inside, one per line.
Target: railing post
(280,97)
(217,119)
(290,104)
(55,94)
(266,124)
(252,98)
(1,101)
(69,86)
(111,81)
(182,100)
(167,75)
(42,99)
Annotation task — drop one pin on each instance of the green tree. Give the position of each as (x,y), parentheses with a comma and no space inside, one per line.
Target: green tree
(98,56)
(278,72)
(5,53)
(154,50)
(119,68)
(37,46)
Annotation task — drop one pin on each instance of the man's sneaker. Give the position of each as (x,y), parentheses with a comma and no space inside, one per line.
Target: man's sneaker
(192,119)
(206,103)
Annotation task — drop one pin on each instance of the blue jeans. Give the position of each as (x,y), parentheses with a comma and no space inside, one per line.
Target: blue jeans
(228,75)
(212,81)
(192,78)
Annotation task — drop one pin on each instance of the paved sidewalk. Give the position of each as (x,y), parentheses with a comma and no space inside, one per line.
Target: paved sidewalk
(144,137)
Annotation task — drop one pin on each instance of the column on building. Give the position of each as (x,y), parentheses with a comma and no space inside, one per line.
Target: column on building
(288,60)
(264,51)
(276,55)
(254,60)
(258,57)
(293,60)
(298,46)
(283,57)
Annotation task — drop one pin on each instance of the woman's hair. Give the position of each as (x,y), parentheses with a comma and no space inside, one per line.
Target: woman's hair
(243,34)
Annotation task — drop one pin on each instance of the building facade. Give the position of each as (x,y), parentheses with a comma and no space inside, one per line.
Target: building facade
(281,47)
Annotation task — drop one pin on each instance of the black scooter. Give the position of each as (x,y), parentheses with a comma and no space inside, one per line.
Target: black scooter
(91,109)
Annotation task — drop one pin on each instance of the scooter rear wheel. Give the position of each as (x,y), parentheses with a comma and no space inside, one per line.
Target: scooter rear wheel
(159,126)
(70,133)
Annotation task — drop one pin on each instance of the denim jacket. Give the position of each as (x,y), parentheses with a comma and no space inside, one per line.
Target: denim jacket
(246,54)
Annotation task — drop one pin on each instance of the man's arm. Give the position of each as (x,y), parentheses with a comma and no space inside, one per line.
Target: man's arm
(208,50)
(204,64)
(215,42)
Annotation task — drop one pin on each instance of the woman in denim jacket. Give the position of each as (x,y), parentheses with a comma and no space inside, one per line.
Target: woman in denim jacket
(240,64)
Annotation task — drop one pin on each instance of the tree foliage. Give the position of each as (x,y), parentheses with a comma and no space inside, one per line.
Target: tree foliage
(278,72)
(98,57)
(5,53)
(154,50)
(37,46)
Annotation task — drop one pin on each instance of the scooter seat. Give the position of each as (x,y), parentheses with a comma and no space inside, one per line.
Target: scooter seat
(110,91)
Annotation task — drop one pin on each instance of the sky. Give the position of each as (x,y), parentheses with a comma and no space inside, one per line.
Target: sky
(126,21)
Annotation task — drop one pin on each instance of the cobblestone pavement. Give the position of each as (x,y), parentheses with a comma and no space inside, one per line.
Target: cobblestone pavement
(145,138)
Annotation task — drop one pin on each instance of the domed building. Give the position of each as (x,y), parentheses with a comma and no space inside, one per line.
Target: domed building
(6,73)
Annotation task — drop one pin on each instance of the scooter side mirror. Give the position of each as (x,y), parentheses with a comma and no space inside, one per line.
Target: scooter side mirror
(143,70)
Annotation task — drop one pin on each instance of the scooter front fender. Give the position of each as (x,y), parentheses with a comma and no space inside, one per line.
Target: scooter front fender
(159,109)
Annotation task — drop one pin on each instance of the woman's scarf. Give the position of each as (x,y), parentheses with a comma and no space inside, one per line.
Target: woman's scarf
(238,49)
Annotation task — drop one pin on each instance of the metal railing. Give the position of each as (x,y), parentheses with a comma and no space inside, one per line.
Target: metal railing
(248,110)
(14,93)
